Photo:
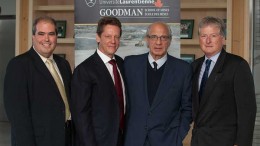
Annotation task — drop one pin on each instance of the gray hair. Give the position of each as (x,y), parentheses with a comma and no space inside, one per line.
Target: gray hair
(209,20)
(163,23)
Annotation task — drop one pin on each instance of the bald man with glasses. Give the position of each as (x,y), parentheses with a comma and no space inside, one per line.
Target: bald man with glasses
(158,109)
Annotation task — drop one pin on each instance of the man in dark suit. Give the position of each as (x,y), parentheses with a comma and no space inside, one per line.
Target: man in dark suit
(159,93)
(224,104)
(36,105)
(97,105)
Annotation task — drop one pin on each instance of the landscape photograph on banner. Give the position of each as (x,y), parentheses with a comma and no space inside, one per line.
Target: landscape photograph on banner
(135,16)
(132,41)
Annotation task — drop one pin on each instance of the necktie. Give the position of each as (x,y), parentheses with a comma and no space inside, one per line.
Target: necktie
(155,66)
(119,90)
(204,77)
(61,88)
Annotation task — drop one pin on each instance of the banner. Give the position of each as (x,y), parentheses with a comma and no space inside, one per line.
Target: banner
(135,16)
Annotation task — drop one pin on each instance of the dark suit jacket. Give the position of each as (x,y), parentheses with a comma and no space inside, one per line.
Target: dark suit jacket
(167,121)
(32,100)
(95,107)
(226,114)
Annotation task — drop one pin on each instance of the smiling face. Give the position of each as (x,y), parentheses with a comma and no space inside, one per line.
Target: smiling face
(45,38)
(109,40)
(211,41)
(158,40)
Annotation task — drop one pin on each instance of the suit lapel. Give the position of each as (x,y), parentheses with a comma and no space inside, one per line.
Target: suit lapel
(195,85)
(41,67)
(165,83)
(213,79)
(119,63)
(63,71)
(99,64)
(143,77)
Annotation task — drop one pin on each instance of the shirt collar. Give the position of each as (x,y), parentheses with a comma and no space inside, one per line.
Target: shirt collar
(104,57)
(159,62)
(213,58)
(44,58)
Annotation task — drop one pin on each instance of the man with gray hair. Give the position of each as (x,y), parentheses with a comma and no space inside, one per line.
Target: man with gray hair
(223,96)
(158,109)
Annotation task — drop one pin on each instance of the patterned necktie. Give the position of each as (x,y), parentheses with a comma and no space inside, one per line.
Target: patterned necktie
(204,77)
(119,90)
(61,88)
(155,66)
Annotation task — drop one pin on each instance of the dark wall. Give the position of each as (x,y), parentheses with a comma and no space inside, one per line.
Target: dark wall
(7,44)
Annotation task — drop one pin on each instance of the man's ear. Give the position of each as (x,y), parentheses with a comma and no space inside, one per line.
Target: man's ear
(97,38)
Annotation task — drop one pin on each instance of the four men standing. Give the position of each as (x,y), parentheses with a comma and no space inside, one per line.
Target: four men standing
(157,104)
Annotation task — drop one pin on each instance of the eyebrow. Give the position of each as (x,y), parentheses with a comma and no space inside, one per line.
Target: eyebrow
(41,32)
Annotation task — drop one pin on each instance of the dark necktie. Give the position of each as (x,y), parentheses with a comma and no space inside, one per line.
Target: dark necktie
(155,66)
(204,77)
(119,90)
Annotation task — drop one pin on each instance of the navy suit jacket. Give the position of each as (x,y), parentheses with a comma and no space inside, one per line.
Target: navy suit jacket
(167,121)
(226,113)
(95,107)
(33,102)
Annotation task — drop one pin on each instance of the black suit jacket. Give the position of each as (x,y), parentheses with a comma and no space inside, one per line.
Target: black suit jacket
(95,107)
(226,114)
(32,100)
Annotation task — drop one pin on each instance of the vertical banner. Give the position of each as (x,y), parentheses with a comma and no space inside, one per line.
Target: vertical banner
(135,16)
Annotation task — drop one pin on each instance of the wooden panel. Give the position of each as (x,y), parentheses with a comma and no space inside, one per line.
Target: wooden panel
(241,33)
(187,139)
(66,41)
(60,2)
(191,46)
(59,10)
(238,30)
(55,8)
(69,17)
(203,5)
(68,50)
(190,41)
(22,29)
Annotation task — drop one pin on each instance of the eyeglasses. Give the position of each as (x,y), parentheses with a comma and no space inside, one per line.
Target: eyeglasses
(162,38)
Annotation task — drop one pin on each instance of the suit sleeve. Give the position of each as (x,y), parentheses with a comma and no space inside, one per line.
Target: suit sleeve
(17,103)
(186,108)
(246,104)
(81,90)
